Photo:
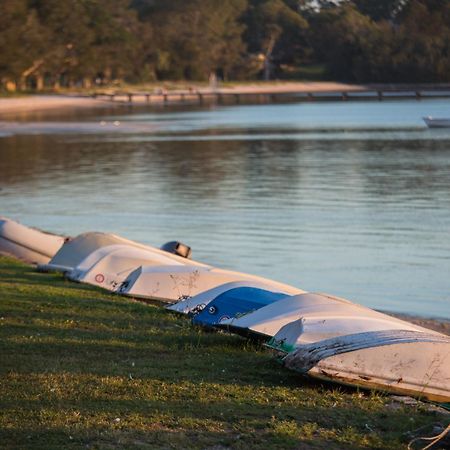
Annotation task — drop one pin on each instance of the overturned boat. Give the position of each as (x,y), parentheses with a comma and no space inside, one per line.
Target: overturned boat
(174,283)
(109,266)
(234,303)
(398,361)
(28,244)
(197,303)
(334,339)
(74,252)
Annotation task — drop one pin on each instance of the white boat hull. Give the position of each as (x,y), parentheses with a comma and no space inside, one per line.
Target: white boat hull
(401,362)
(174,283)
(312,317)
(77,250)
(435,122)
(109,266)
(28,244)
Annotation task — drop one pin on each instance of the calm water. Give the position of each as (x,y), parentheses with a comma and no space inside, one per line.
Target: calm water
(347,198)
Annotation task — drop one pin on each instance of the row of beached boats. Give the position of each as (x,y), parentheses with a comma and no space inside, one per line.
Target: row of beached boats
(316,334)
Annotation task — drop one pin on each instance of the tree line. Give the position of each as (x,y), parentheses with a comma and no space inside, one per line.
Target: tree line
(52,43)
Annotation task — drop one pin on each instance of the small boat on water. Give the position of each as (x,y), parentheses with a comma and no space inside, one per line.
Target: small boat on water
(436,122)
(28,244)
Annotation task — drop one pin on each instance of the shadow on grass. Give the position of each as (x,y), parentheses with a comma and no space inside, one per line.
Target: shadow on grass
(165,357)
(160,428)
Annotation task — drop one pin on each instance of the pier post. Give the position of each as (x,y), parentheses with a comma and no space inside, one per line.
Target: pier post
(380,95)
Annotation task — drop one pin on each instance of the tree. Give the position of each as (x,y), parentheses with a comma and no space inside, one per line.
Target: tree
(88,37)
(340,36)
(22,43)
(423,42)
(380,9)
(276,32)
(195,37)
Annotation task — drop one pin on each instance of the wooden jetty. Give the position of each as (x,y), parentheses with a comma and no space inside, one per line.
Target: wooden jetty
(230,96)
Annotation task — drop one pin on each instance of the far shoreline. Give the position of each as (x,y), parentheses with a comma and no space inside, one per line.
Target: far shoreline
(440,325)
(51,102)
(101,98)
(85,100)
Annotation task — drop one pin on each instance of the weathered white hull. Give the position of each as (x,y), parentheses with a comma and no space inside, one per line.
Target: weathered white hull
(402,362)
(334,339)
(109,266)
(312,317)
(435,122)
(175,283)
(75,252)
(30,245)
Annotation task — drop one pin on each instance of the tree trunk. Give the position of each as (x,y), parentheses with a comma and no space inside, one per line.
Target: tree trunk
(22,83)
(267,69)
(39,82)
(87,83)
(268,55)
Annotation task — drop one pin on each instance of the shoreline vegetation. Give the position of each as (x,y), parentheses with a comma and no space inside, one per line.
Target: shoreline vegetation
(82,368)
(49,44)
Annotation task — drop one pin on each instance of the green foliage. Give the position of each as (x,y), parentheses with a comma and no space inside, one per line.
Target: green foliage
(78,42)
(414,48)
(196,37)
(275,31)
(380,9)
(23,39)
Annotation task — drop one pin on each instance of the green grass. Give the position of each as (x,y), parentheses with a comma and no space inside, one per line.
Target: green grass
(80,368)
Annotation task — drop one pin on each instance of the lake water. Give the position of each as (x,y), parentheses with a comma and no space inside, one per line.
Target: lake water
(349,198)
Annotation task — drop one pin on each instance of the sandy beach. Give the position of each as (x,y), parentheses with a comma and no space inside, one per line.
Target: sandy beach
(33,103)
(283,87)
(46,102)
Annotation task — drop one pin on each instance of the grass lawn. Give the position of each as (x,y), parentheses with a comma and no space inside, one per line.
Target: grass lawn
(80,368)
